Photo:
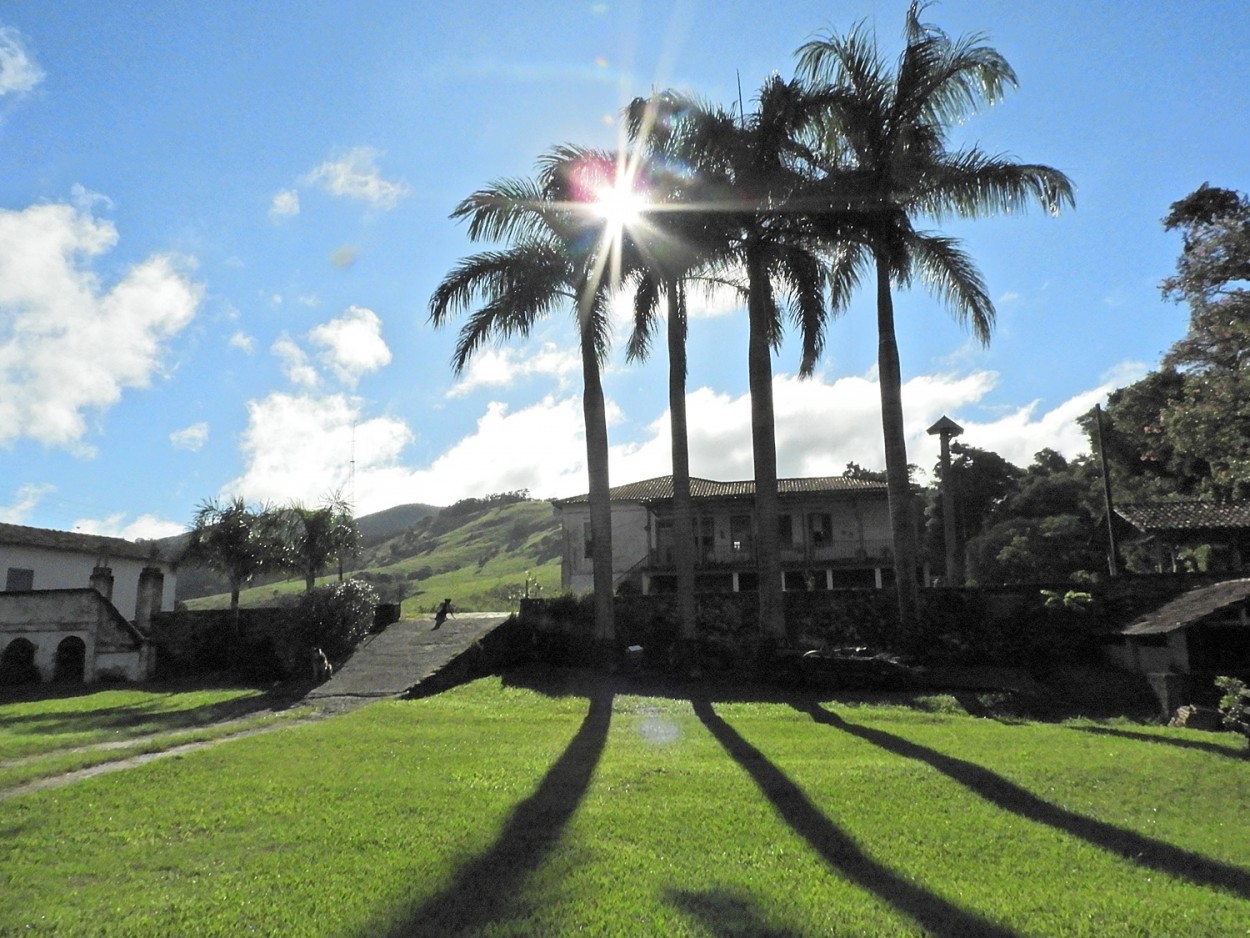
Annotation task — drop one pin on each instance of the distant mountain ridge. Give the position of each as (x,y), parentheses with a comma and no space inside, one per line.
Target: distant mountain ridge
(388,522)
(485,553)
(375,528)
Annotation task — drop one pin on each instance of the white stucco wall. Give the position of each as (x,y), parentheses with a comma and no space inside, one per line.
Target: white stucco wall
(629,544)
(46,619)
(61,569)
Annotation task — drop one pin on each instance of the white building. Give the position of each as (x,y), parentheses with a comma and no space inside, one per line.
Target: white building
(78,607)
(834,533)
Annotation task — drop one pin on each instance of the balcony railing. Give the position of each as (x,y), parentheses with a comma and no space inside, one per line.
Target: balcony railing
(836,552)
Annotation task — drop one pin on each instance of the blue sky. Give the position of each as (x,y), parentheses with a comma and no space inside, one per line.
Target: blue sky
(220,225)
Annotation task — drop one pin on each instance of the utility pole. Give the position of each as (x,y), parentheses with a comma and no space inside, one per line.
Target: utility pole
(1113,563)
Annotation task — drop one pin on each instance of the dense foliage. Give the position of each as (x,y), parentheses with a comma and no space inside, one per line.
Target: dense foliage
(1185,429)
(333,618)
(1235,705)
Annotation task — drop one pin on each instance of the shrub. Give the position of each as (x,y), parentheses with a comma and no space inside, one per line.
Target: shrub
(336,617)
(1235,705)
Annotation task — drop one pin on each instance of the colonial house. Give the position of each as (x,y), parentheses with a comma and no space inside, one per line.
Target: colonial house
(834,533)
(77,607)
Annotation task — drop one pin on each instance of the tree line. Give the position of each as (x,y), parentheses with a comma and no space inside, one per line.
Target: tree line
(239,541)
(794,206)
(1182,432)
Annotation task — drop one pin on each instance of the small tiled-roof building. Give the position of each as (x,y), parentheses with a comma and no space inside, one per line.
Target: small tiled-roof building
(834,532)
(1170,526)
(1206,630)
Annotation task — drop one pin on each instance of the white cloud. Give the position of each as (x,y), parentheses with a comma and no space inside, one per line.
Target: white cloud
(18,70)
(67,344)
(86,200)
(284,205)
(28,498)
(301,447)
(147,527)
(352,345)
(295,364)
(505,366)
(712,301)
(190,438)
(354,175)
(822,425)
(243,342)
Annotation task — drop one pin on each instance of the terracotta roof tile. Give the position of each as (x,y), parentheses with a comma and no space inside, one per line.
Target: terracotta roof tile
(661,488)
(21,536)
(1190,607)
(1187,515)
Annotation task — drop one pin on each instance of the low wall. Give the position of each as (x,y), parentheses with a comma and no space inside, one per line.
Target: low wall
(194,642)
(984,625)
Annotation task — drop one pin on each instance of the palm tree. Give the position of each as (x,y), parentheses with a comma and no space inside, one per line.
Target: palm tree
(234,540)
(669,243)
(315,536)
(555,259)
(749,170)
(886,143)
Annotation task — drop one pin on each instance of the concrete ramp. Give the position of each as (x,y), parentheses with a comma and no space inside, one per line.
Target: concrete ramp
(394,661)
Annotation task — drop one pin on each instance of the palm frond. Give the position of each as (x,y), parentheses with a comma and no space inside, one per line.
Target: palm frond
(972,184)
(848,263)
(804,280)
(954,277)
(505,210)
(646,306)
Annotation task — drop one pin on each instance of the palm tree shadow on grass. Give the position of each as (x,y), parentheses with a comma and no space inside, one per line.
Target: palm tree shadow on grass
(726,914)
(1200,745)
(1137,848)
(489,888)
(938,916)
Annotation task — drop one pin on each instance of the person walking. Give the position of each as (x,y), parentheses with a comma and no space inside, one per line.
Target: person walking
(445,609)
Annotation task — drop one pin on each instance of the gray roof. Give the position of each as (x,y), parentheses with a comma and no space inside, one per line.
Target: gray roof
(1190,607)
(1186,515)
(18,535)
(661,488)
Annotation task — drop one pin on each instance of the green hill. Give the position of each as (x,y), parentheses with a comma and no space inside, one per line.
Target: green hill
(479,552)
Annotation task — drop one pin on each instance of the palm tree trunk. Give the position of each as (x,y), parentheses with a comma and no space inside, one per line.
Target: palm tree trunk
(683,515)
(902,527)
(764,450)
(600,496)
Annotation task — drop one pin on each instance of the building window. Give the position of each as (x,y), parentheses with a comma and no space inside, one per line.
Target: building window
(820,525)
(785,530)
(19,579)
(589,540)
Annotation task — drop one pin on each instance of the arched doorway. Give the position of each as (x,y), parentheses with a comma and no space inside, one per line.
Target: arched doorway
(71,660)
(17,663)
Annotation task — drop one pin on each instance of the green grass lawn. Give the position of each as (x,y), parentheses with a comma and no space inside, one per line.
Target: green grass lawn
(563,804)
(51,736)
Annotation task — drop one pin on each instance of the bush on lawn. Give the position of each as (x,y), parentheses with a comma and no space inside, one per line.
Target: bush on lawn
(334,618)
(1235,705)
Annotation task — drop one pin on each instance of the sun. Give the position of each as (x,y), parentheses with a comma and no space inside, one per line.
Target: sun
(619,205)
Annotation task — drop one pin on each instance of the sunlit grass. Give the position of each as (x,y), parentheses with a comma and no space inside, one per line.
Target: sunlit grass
(29,727)
(551,806)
